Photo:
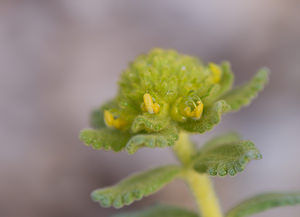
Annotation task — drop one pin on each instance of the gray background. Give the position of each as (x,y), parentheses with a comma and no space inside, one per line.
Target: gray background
(61,58)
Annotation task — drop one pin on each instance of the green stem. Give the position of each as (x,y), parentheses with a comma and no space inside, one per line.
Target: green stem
(200,184)
(184,149)
(202,188)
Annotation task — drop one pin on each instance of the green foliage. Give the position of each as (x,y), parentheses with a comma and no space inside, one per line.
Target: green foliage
(161,211)
(105,138)
(264,202)
(242,96)
(188,94)
(225,155)
(135,187)
(152,140)
(112,139)
(149,123)
(164,94)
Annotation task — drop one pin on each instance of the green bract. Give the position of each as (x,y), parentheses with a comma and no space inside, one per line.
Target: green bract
(162,93)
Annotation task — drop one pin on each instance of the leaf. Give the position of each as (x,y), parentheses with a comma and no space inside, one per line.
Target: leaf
(225,158)
(135,187)
(149,122)
(105,138)
(160,211)
(264,202)
(223,139)
(211,117)
(243,95)
(227,78)
(161,139)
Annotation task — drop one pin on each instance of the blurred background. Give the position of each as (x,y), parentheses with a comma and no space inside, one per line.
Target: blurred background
(60,59)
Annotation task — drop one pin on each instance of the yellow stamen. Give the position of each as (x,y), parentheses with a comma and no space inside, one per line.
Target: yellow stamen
(196,113)
(148,104)
(198,110)
(113,122)
(156,108)
(216,72)
(108,118)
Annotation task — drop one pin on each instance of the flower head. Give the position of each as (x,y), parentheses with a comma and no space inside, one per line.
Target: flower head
(163,92)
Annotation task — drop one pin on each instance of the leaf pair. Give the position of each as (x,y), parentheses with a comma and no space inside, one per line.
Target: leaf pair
(226,154)
(223,155)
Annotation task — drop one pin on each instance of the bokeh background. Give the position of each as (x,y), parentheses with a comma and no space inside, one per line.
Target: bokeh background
(59,59)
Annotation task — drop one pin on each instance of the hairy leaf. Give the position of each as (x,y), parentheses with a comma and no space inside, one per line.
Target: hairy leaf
(135,187)
(160,211)
(149,122)
(264,202)
(211,117)
(223,139)
(106,138)
(161,139)
(227,78)
(225,158)
(243,95)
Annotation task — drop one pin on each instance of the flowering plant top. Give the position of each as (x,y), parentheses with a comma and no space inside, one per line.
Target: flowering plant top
(162,93)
